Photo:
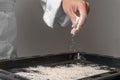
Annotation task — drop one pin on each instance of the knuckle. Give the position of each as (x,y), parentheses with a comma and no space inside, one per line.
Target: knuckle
(66,11)
(84,2)
(88,4)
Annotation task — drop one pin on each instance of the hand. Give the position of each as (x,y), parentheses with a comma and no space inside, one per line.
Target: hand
(77,10)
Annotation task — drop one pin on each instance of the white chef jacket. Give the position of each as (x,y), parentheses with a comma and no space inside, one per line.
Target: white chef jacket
(53,13)
(8,29)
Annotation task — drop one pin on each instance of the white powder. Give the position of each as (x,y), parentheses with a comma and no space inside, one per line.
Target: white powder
(73,72)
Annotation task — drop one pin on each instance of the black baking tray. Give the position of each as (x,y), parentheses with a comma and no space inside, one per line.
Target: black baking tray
(61,59)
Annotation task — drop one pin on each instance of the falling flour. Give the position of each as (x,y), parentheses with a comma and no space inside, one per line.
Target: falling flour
(72,46)
(73,72)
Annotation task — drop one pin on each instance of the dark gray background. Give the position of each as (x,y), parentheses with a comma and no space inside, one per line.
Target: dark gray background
(101,33)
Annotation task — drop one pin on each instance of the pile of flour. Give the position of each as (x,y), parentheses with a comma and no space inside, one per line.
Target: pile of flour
(73,72)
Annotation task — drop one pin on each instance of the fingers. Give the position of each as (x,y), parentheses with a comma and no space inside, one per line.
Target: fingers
(83,15)
(72,15)
(83,10)
(88,7)
(75,30)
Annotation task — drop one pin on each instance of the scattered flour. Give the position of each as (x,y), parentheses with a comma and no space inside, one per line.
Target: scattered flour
(73,72)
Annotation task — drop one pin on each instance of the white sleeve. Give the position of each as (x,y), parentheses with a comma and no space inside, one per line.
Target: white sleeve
(53,13)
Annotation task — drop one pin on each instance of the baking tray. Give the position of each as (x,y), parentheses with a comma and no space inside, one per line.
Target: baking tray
(63,59)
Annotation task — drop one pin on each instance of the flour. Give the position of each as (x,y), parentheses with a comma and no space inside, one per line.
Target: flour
(73,72)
